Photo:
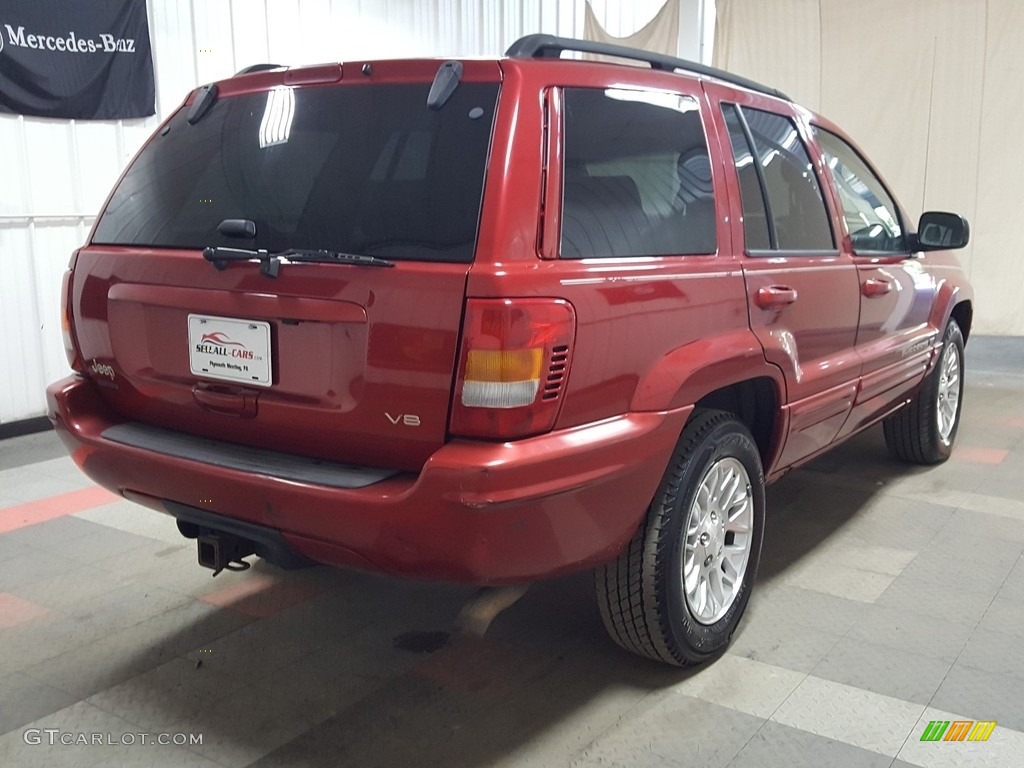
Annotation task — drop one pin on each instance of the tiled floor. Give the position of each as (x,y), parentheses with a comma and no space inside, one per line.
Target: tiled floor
(889,596)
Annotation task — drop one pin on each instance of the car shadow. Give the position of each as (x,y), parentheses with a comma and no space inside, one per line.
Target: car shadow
(360,670)
(545,675)
(817,501)
(339,680)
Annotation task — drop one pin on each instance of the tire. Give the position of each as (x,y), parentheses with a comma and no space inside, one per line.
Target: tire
(647,606)
(923,431)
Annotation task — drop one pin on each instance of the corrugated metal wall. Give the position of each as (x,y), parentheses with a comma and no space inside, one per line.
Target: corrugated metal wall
(55,174)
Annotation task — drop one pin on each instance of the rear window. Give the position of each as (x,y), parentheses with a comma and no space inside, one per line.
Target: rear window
(363,169)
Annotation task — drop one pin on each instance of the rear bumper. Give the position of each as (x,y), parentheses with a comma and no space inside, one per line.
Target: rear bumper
(480,513)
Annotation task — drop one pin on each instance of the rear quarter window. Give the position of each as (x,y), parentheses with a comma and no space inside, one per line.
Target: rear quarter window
(636,175)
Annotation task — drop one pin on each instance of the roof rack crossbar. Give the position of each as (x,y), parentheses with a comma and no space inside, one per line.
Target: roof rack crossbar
(549,46)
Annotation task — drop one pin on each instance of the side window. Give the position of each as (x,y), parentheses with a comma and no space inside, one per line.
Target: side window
(870,212)
(755,215)
(636,175)
(787,186)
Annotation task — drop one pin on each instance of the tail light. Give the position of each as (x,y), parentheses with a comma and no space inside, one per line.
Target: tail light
(513,363)
(66,324)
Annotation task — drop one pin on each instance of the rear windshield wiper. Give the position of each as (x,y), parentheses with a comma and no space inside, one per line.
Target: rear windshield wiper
(270,263)
(334,257)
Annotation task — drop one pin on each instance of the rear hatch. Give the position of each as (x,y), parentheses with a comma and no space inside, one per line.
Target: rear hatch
(350,362)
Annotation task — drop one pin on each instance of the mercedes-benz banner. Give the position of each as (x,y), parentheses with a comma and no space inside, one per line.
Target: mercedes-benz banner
(87,60)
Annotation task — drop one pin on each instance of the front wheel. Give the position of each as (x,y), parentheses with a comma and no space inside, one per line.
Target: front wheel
(923,431)
(676,594)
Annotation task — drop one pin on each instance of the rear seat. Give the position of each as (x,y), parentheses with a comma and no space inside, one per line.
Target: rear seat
(602,216)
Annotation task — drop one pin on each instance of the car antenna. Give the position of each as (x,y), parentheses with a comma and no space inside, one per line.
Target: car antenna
(204,100)
(445,82)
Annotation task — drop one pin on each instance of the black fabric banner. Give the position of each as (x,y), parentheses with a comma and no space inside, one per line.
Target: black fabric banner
(87,60)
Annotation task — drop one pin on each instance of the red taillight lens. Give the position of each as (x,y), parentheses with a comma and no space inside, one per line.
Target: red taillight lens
(66,325)
(512,367)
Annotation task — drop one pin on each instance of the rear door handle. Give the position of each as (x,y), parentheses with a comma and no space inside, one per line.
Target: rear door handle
(774,296)
(875,287)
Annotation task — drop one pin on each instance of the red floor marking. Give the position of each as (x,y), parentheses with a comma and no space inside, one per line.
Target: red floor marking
(260,596)
(15,611)
(977,455)
(32,512)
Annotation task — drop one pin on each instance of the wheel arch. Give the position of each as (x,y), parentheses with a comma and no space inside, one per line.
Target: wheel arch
(756,404)
(963,313)
(727,372)
(954,300)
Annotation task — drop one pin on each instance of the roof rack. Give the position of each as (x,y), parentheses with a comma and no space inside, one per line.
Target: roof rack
(549,46)
(257,68)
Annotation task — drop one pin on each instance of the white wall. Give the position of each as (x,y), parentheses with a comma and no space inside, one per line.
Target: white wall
(55,174)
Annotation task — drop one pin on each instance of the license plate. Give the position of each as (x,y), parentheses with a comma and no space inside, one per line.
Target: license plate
(229,349)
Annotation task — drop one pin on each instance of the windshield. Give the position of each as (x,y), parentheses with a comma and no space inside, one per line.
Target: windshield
(366,169)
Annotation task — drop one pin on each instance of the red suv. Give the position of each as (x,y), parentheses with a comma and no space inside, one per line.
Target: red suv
(494,321)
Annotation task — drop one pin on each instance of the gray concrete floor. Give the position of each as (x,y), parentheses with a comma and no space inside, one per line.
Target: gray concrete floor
(889,596)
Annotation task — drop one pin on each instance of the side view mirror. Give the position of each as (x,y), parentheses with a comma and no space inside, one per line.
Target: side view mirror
(942,231)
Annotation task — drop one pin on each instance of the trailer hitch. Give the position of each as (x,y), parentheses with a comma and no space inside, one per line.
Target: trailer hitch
(220,552)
